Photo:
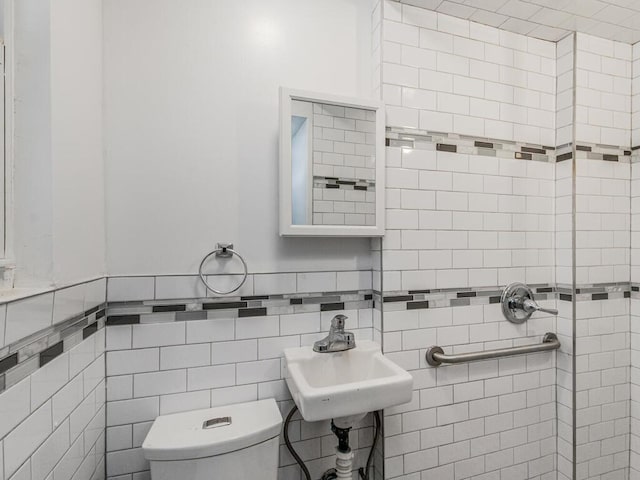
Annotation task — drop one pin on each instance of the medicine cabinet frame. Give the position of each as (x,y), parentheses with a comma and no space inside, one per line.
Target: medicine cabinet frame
(287,228)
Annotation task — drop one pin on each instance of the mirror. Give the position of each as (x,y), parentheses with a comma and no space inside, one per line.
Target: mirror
(331,165)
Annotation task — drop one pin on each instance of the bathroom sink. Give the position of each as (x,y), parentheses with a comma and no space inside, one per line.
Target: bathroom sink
(343,384)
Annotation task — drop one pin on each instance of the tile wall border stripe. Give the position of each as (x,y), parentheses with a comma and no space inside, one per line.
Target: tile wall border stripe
(344,183)
(458,297)
(465,144)
(20,359)
(607,153)
(142,311)
(23,357)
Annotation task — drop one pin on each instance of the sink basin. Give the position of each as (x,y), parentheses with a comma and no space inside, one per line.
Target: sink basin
(343,384)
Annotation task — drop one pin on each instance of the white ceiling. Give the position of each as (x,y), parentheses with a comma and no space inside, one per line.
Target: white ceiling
(548,19)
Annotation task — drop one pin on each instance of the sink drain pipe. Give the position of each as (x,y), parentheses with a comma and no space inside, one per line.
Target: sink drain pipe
(363,473)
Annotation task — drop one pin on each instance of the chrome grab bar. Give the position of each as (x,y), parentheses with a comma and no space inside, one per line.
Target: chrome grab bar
(435,355)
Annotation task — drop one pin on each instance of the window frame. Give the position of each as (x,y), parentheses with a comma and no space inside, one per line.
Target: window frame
(7,253)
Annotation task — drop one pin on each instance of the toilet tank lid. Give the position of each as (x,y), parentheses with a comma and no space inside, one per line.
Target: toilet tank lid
(213,431)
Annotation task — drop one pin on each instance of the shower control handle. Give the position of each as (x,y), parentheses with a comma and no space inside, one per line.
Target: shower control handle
(530,305)
(518,304)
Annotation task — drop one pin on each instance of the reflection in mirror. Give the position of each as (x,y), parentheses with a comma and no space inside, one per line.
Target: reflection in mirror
(301,167)
(333,158)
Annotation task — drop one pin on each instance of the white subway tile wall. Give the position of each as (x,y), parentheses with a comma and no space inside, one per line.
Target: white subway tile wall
(161,368)
(564,91)
(255,284)
(602,255)
(53,420)
(564,320)
(69,302)
(603,91)
(635,383)
(564,390)
(28,316)
(564,222)
(602,388)
(23,318)
(488,419)
(432,70)
(635,271)
(456,220)
(635,95)
(122,289)
(161,379)
(445,74)
(602,188)
(602,221)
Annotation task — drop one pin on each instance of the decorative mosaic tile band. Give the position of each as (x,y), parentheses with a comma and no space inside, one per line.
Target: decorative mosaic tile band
(344,183)
(459,297)
(597,291)
(22,358)
(451,142)
(454,297)
(564,152)
(609,153)
(153,311)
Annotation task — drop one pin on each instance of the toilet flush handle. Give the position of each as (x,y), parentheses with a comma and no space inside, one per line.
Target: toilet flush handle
(216,422)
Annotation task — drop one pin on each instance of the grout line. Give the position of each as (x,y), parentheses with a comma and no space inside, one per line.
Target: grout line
(574,393)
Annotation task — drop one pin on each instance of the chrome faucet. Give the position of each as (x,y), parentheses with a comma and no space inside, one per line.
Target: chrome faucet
(338,340)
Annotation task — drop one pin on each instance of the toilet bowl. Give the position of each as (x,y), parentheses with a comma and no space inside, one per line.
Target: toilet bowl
(234,441)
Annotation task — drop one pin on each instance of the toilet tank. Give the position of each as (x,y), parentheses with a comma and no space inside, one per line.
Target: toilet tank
(233,441)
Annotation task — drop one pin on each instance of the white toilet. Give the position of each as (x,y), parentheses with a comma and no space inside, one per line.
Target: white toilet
(235,441)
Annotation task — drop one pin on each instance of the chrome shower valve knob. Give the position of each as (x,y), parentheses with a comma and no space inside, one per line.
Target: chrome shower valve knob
(518,304)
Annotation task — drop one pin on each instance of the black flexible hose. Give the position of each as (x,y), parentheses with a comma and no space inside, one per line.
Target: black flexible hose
(304,468)
(364,475)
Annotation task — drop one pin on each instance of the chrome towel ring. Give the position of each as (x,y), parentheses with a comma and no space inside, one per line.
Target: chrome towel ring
(223,250)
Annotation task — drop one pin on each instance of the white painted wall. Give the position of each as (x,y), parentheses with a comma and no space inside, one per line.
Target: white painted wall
(59,228)
(33,220)
(77,150)
(191,95)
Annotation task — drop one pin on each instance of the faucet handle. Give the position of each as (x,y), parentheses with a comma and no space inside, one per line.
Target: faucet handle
(529,305)
(518,303)
(338,322)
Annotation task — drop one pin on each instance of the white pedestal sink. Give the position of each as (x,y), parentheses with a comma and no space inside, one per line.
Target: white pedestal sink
(344,384)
